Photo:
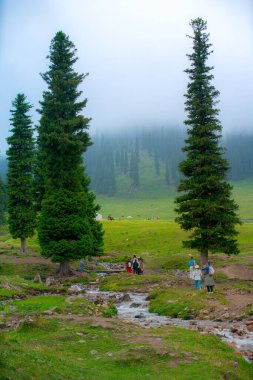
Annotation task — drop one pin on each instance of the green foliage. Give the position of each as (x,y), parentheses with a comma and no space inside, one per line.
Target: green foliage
(110,311)
(206,207)
(22,216)
(2,201)
(159,153)
(65,229)
(249,310)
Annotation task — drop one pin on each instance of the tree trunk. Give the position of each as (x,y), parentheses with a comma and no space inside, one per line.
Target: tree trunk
(23,248)
(64,269)
(204,258)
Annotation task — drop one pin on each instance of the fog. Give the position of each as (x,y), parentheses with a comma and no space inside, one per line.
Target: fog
(135,53)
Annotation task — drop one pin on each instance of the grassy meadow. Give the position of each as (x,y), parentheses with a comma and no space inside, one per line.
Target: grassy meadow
(156,199)
(47,333)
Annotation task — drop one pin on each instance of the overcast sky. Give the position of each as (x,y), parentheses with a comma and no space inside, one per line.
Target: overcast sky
(135,53)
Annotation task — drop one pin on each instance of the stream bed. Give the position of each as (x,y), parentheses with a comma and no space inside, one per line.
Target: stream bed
(134,307)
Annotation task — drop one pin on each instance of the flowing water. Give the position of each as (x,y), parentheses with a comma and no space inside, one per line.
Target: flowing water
(134,307)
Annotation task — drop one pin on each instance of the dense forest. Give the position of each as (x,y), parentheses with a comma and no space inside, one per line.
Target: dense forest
(114,155)
(118,155)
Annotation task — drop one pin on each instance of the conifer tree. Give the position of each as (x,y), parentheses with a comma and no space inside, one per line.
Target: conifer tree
(2,201)
(67,227)
(134,166)
(205,207)
(21,210)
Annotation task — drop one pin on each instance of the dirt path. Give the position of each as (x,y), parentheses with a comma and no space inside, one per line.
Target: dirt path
(237,271)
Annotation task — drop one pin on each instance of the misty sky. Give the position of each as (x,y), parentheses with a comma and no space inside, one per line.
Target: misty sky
(135,53)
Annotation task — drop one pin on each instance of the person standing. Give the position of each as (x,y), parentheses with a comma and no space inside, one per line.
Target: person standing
(196,275)
(140,269)
(135,265)
(81,265)
(191,264)
(129,265)
(208,272)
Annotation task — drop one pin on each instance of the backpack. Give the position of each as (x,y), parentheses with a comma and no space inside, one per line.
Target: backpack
(211,270)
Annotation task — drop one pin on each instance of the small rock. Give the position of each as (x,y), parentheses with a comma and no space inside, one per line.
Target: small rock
(50,281)
(189,317)
(48,312)
(93,352)
(205,312)
(229,376)
(37,279)
(79,333)
(81,341)
(139,315)
(225,315)
(70,299)
(135,304)
(126,298)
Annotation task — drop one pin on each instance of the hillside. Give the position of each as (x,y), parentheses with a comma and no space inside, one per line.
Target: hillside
(144,163)
(156,200)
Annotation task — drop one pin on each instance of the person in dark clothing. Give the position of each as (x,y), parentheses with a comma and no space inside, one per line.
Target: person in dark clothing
(209,283)
(140,269)
(135,264)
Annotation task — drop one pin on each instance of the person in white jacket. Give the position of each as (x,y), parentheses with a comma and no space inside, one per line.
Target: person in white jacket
(196,276)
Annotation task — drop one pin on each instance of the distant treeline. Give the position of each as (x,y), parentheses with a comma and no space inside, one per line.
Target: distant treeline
(114,155)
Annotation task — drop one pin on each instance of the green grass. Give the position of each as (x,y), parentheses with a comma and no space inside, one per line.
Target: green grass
(155,199)
(160,242)
(51,347)
(180,302)
(34,304)
(124,281)
(105,353)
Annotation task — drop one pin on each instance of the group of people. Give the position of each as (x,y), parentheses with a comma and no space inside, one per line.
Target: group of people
(134,265)
(198,275)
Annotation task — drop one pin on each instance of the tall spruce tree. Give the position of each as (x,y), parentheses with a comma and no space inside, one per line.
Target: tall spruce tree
(67,227)
(205,207)
(2,201)
(21,210)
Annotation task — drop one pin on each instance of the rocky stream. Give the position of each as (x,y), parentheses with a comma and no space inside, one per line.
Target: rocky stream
(134,307)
